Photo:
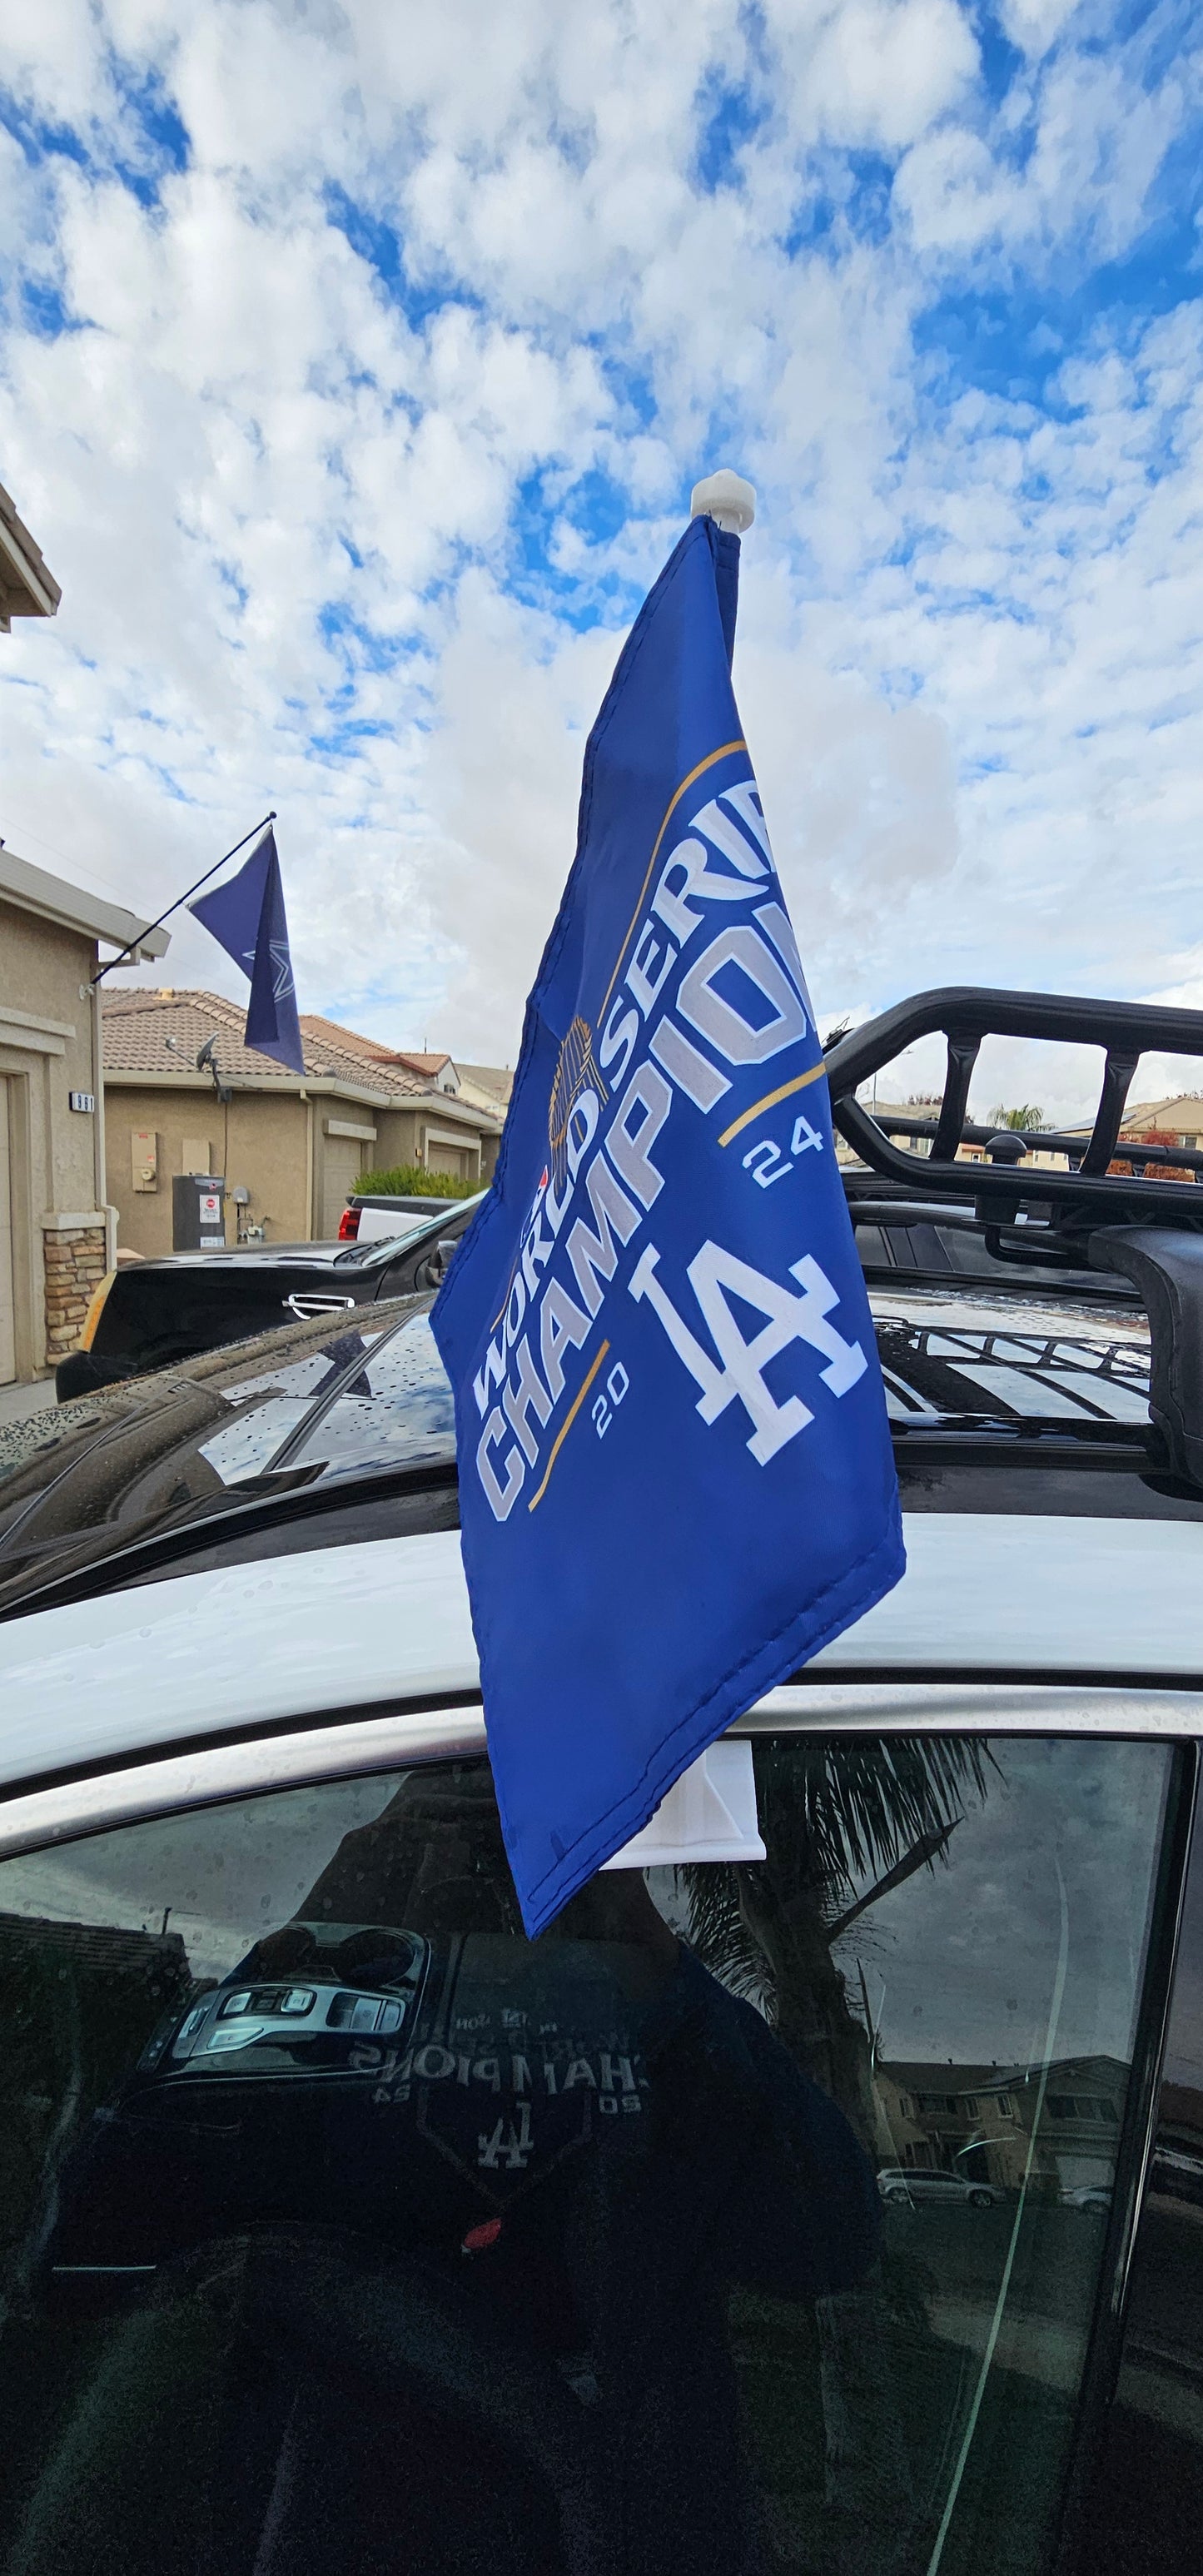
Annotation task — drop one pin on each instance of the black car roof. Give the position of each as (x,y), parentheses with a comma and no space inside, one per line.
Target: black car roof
(341,1428)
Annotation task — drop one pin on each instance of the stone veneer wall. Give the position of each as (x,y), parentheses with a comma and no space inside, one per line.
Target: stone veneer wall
(75,1255)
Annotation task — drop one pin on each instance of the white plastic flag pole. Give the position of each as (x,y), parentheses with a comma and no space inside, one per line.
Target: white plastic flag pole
(708,1814)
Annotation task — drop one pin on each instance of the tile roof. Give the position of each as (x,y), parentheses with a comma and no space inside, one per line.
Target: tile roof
(138,1021)
(422,1063)
(333,1034)
(497,1079)
(408,1057)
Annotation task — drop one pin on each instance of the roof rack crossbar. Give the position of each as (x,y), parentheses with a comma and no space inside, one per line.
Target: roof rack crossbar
(1050,1140)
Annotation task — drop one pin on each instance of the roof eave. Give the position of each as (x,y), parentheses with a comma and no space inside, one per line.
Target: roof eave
(173,1078)
(50,898)
(27,585)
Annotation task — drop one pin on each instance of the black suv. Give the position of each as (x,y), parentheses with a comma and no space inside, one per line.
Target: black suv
(153,1313)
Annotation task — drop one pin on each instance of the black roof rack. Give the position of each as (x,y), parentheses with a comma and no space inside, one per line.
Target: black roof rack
(1072,1203)
(1135,1150)
(1147,1228)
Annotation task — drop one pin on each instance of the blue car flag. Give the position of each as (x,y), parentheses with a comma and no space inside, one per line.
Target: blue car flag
(676,1479)
(247,917)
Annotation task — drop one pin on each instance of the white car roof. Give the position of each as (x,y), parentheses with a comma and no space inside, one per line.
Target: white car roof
(386,1622)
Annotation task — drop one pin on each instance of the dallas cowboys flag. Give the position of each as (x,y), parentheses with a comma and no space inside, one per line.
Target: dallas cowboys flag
(247,917)
(676,1480)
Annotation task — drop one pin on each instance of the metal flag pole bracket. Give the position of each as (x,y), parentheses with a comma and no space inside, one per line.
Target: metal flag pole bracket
(134,944)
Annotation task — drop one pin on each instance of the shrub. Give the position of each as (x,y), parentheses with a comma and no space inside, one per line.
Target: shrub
(1154,1171)
(413,1181)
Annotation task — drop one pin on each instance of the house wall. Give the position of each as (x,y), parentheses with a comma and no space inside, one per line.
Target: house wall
(46,1053)
(299,1158)
(257,1141)
(424,1135)
(396,1140)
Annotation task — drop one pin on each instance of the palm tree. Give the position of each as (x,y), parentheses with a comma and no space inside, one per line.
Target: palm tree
(831,1810)
(1026,1119)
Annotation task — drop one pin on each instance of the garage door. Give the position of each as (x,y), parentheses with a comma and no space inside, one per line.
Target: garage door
(8,1355)
(341,1172)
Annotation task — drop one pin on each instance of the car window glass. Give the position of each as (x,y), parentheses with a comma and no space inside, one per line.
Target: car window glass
(965,1369)
(452,1222)
(752,2219)
(398,1408)
(270,1405)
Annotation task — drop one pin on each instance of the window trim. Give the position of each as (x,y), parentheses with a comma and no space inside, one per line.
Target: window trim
(1134,2149)
(217,1774)
(349,1741)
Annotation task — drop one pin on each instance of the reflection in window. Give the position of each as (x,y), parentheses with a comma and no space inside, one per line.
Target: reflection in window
(729,2226)
(399,1410)
(266,1409)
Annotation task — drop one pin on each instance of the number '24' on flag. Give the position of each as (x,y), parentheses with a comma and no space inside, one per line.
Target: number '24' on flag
(676,1478)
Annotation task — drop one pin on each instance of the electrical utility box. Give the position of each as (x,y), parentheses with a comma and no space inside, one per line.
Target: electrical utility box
(198,1212)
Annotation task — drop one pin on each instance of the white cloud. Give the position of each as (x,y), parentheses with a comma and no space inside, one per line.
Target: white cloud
(882,70)
(1034,25)
(287,491)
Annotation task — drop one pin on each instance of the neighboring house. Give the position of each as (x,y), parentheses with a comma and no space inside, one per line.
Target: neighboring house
(999,2124)
(487,1082)
(478,1086)
(1181,1117)
(27,585)
(288,1150)
(55,1230)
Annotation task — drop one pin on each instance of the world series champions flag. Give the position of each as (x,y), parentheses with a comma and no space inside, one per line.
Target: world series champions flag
(676,1478)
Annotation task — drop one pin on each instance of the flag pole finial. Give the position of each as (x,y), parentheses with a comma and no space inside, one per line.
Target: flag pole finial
(726,498)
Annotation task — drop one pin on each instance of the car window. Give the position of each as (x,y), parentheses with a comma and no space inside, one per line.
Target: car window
(450,1222)
(268,1406)
(728,2226)
(180,1448)
(398,1409)
(946,1370)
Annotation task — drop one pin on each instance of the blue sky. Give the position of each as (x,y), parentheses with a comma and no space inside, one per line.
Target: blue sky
(355,368)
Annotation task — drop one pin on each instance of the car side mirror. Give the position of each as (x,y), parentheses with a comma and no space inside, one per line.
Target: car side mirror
(435,1267)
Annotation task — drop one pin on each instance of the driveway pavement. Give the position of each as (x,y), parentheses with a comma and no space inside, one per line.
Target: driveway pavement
(18,1401)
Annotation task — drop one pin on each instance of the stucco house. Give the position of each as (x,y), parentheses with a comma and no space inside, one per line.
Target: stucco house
(56,1230)
(288,1149)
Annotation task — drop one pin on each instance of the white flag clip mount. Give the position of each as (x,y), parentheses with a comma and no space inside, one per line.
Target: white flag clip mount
(708,1814)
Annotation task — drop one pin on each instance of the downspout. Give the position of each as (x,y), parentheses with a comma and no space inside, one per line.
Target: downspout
(99,1168)
(308,1161)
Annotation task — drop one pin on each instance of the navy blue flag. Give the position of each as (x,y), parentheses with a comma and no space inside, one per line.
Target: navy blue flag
(247,917)
(676,1479)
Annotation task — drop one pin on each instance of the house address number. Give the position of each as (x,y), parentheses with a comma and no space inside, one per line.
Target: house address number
(84,1101)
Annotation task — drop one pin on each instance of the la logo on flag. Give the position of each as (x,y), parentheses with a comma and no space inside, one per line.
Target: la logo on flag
(676,1478)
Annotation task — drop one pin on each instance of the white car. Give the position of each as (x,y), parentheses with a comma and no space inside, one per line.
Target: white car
(916,2186)
(582,2257)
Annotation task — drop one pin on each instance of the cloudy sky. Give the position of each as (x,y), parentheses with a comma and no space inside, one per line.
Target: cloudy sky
(357,363)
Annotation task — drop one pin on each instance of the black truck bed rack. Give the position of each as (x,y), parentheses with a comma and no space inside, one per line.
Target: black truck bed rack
(1147,1228)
